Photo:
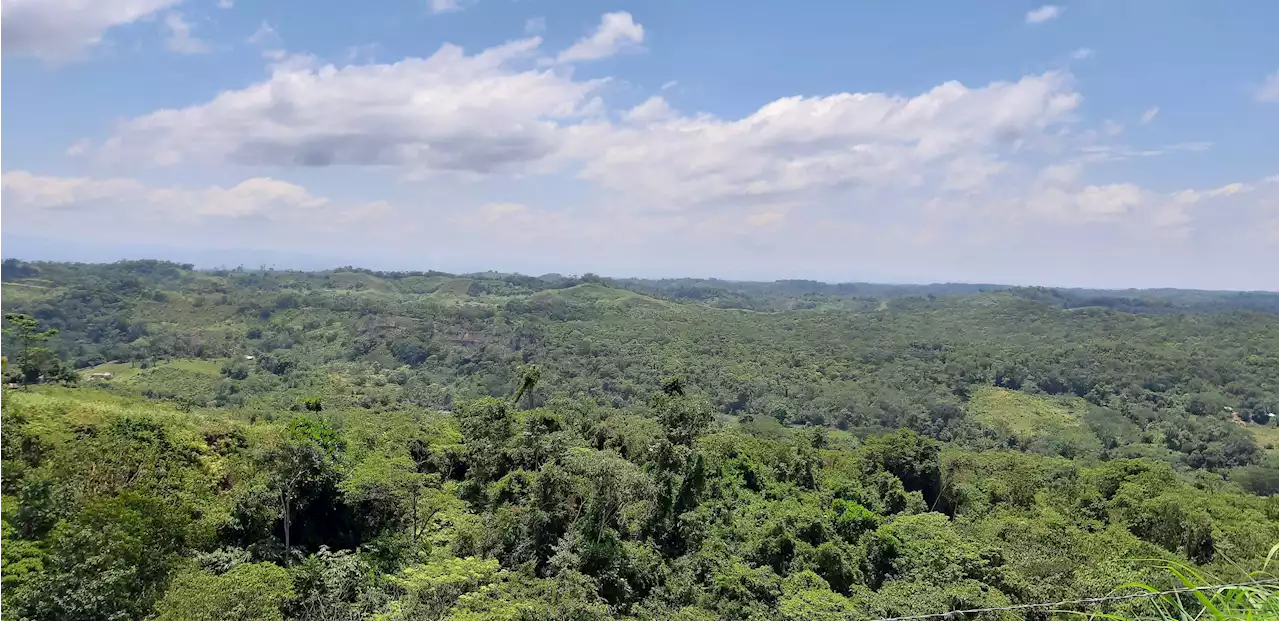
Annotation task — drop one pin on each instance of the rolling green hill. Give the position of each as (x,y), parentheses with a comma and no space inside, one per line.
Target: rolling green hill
(358,444)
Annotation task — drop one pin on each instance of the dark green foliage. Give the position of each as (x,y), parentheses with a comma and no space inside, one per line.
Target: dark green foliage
(112,560)
(847,451)
(32,362)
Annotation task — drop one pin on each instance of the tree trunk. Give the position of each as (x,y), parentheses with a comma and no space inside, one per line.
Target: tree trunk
(284,503)
(416,551)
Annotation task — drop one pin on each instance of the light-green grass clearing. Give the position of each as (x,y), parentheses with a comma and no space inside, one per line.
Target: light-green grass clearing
(24,291)
(1264,435)
(1020,414)
(125,371)
(207,367)
(118,370)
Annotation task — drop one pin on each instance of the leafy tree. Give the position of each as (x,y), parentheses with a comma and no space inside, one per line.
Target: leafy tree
(392,487)
(33,360)
(247,591)
(305,457)
(529,376)
(112,561)
(21,560)
(684,419)
(486,426)
(430,589)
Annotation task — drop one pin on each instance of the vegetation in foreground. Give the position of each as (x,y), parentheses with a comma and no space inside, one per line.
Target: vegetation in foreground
(513,449)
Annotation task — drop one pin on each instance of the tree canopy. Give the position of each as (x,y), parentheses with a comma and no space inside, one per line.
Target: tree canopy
(357,444)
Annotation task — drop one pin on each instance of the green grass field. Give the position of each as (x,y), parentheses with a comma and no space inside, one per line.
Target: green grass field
(207,367)
(1266,435)
(118,370)
(1018,413)
(124,371)
(27,292)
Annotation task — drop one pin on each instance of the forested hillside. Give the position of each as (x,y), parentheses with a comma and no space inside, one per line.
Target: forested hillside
(419,445)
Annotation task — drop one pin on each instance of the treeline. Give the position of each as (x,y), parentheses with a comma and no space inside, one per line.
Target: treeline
(1166,386)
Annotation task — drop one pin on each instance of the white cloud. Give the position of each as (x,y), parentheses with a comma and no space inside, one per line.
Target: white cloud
(493,212)
(971,172)
(669,85)
(1112,128)
(262,196)
(449,112)
(1082,53)
(1091,203)
(765,218)
(1043,14)
(180,39)
(226,4)
(58,30)
(616,32)
(491,113)
(650,110)
(28,190)
(1269,90)
(1053,230)
(1098,153)
(795,146)
(872,177)
(1150,114)
(265,35)
(444,6)
(78,148)
(535,25)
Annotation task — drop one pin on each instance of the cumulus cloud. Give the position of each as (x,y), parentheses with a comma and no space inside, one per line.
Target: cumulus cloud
(616,32)
(1091,203)
(650,110)
(948,169)
(450,112)
(535,25)
(1043,14)
(795,146)
(180,39)
(1082,53)
(498,111)
(257,196)
(57,30)
(1269,90)
(1150,114)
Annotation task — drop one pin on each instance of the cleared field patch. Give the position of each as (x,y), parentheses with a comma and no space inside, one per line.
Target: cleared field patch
(602,298)
(453,288)
(206,367)
(1020,414)
(1264,435)
(26,292)
(124,371)
(118,370)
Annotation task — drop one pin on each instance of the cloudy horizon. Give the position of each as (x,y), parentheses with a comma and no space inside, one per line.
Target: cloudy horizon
(1079,145)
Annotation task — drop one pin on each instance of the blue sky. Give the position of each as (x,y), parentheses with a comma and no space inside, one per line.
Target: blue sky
(1092,143)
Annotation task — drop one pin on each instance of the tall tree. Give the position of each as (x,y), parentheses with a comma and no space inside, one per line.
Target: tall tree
(529,376)
(32,359)
(305,458)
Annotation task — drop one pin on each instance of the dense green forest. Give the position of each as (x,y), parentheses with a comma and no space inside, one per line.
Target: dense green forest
(350,444)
